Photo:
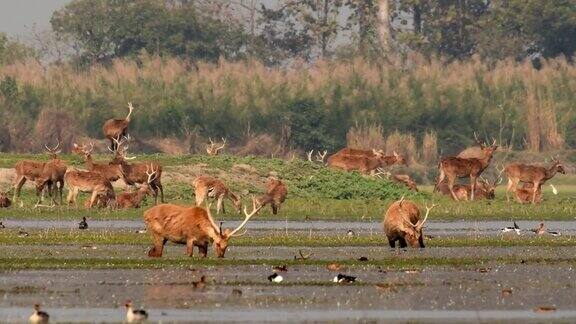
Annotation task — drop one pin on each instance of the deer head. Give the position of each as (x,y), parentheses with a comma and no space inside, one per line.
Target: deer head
(558,166)
(53,152)
(151,173)
(399,158)
(221,242)
(120,153)
(413,232)
(213,149)
(490,187)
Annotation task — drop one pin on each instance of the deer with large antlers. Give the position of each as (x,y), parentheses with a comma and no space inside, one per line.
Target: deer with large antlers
(88,181)
(403,224)
(455,167)
(536,175)
(112,172)
(193,226)
(208,187)
(33,171)
(136,173)
(134,199)
(52,176)
(275,195)
(213,149)
(117,128)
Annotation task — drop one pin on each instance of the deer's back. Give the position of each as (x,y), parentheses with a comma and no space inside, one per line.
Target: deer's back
(114,127)
(29,169)
(525,172)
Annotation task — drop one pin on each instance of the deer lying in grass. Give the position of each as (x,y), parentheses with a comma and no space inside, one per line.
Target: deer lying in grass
(364,163)
(134,199)
(455,167)
(213,149)
(275,195)
(117,128)
(136,173)
(402,223)
(524,194)
(193,226)
(536,175)
(52,176)
(405,180)
(87,181)
(484,190)
(112,172)
(208,187)
(5,201)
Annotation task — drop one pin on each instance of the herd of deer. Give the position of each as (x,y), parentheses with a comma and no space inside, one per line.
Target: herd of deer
(194,225)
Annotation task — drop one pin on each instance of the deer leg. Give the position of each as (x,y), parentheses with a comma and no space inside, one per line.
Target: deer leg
(203,248)
(274,208)
(158,248)
(535,189)
(60,189)
(18,186)
(510,184)
(159,185)
(392,243)
(220,205)
(451,187)
(472,187)
(421,241)
(190,247)
(93,199)
(403,244)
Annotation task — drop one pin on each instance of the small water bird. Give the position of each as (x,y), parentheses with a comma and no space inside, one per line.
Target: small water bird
(142,231)
(39,317)
(22,233)
(199,284)
(342,278)
(2,225)
(539,230)
(134,316)
(514,228)
(275,278)
(83,224)
(350,233)
(282,268)
(554,190)
(553,233)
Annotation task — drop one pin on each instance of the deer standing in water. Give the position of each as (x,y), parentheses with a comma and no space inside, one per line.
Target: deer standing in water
(193,226)
(536,175)
(117,128)
(208,187)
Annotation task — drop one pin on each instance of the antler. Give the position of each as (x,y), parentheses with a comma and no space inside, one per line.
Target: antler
(130,108)
(89,151)
(151,175)
(380,172)
(216,228)
(255,209)
(55,149)
(428,209)
(309,154)
(498,178)
(320,157)
(223,144)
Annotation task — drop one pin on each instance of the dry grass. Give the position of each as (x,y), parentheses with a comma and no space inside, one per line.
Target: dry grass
(366,137)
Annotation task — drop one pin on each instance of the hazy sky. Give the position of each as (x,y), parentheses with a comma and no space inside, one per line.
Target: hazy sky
(18,16)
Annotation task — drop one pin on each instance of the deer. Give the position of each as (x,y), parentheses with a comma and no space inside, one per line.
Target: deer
(275,195)
(402,223)
(208,187)
(33,171)
(88,181)
(455,167)
(405,180)
(484,190)
(353,151)
(134,199)
(116,128)
(524,194)
(52,175)
(193,226)
(213,149)
(364,163)
(112,172)
(135,173)
(5,201)
(536,175)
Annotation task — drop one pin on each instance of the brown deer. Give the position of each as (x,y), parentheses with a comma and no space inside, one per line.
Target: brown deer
(52,176)
(88,181)
(484,190)
(213,149)
(524,194)
(30,170)
(134,199)
(208,187)
(402,223)
(364,163)
(110,171)
(117,128)
(101,201)
(193,226)
(135,173)
(275,195)
(455,167)
(5,201)
(536,175)
(405,180)
(353,151)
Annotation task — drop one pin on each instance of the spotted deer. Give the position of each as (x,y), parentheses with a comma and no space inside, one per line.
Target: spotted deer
(52,176)
(536,175)
(88,181)
(209,187)
(32,171)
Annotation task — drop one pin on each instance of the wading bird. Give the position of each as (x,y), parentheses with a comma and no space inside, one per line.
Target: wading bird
(514,228)
(39,317)
(134,316)
(83,224)
(342,278)
(275,278)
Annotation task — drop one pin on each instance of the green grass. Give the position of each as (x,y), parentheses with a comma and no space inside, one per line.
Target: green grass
(123,237)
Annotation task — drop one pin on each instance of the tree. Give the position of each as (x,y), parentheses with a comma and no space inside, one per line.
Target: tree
(12,51)
(105,29)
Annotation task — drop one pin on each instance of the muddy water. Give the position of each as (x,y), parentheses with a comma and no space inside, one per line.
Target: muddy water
(437,228)
(242,293)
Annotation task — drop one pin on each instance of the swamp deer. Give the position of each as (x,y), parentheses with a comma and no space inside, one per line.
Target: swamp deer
(136,173)
(134,199)
(455,167)
(208,187)
(5,201)
(112,172)
(193,226)
(402,223)
(213,149)
(536,175)
(275,195)
(52,176)
(88,181)
(33,171)
(117,128)
(364,163)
